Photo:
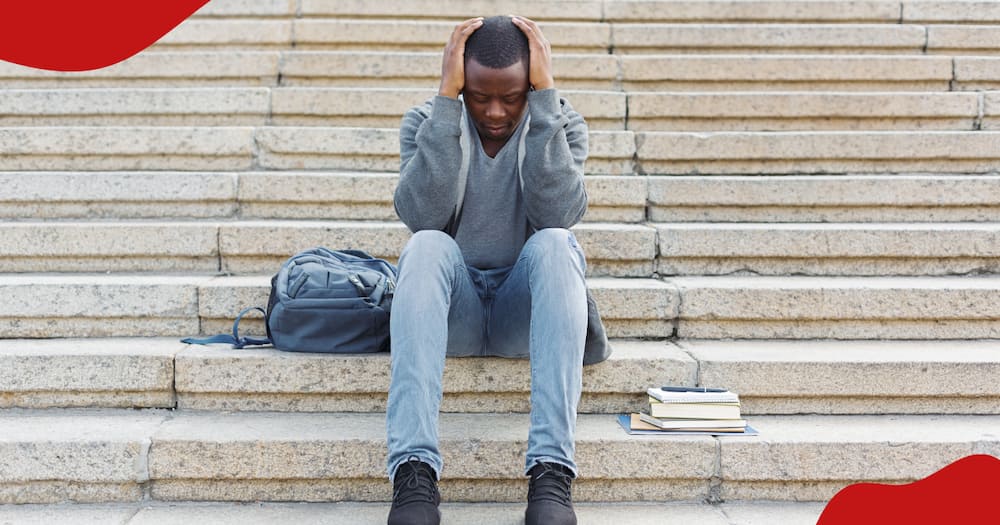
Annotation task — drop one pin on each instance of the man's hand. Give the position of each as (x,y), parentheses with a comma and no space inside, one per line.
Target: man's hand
(453,64)
(540,75)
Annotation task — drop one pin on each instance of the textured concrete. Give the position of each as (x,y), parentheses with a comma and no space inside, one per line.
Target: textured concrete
(848,198)
(98,306)
(811,457)
(827,249)
(87,373)
(85,514)
(786,111)
(55,195)
(215,377)
(74,452)
(767,38)
(128,148)
(872,377)
(134,106)
(838,307)
(977,73)
(817,152)
(959,39)
(991,111)
(751,11)
(238,68)
(237,8)
(791,72)
(938,12)
(54,247)
(220,34)
(481,513)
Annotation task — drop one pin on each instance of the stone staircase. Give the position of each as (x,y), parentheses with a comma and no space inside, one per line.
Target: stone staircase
(798,200)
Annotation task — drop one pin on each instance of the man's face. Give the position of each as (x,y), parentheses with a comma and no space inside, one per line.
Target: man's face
(496,99)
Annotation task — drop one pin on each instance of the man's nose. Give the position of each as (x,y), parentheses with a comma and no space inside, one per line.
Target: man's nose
(494,109)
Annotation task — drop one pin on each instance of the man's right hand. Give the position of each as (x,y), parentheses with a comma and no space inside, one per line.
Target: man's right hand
(453,64)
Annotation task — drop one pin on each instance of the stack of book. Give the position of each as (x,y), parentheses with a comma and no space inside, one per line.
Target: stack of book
(691,409)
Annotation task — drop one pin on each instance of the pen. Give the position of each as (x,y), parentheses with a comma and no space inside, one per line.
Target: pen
(691,389)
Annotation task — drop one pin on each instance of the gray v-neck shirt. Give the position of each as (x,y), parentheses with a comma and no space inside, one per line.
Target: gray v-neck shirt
(494,225)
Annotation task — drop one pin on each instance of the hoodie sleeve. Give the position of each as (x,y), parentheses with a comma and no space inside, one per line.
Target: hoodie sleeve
(430,158)
(555,151)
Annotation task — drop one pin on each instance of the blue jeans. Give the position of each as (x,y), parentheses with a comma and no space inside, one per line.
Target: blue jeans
(536,309)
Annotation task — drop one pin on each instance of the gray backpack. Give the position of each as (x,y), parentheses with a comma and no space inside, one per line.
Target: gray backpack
(324,301)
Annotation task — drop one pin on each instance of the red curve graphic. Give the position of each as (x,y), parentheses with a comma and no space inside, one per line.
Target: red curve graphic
(80,35)
(962,492)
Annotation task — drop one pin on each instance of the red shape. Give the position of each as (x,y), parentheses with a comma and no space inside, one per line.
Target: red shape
(962,492)
(79,35)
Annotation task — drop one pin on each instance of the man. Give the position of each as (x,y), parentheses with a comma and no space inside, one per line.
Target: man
(491,179)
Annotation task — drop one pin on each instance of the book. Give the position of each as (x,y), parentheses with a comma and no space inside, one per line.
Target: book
(692,395)
(694,410)
(718,425)
(645,429)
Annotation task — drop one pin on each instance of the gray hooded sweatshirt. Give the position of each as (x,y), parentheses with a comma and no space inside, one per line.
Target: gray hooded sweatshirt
(436,155)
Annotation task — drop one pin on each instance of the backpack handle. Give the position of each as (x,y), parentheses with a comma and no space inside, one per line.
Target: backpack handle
(235,339)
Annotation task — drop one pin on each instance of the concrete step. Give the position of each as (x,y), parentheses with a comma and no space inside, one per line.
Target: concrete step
(771,377)
(626,10)
(117,305)
(244,247)
(620,250)
(241,148)
(250,195)
(611,152)
(819,152)
(828,249)
(837,307)
(701,307)
(856,377)
(162,513)
(770,38)
(788,111)
(819,198)
(744,72)
(396,34)
(184,456)
(368,196)
(164,373)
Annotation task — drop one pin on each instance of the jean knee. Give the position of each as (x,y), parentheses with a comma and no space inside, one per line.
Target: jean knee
(430,248)
(553,244)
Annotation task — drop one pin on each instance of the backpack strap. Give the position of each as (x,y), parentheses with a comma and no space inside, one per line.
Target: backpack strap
(234,339)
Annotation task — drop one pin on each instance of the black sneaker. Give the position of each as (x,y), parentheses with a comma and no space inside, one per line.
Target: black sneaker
(415,496)
(549,500)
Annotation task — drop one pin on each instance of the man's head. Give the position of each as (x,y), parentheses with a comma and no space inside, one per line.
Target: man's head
(496,78)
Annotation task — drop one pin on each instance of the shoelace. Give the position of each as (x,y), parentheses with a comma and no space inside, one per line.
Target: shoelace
(416,485)
(551,484)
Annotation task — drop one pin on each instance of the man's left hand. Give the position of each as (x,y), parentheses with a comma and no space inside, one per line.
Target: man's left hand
(540,74)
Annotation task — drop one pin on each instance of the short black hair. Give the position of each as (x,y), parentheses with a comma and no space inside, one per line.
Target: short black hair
(497,44)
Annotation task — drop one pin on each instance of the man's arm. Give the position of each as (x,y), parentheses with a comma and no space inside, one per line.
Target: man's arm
(430,157)
(556,144)
(555,152)
(429,151)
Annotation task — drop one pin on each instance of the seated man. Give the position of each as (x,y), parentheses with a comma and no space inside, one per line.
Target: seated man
(491,179)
